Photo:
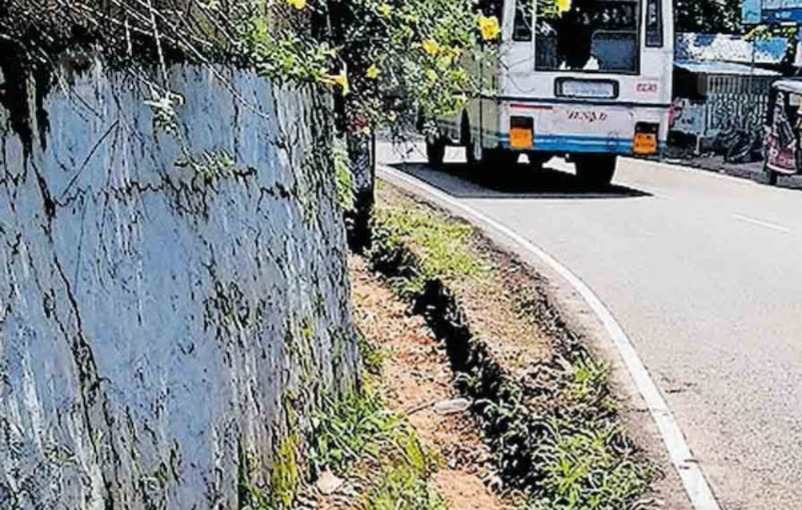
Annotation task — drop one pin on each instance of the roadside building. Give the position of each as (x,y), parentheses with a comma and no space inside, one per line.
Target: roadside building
(721,85)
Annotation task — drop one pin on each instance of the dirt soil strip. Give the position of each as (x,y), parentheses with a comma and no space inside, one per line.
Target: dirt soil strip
(500,323)
(417,376)
(580,320)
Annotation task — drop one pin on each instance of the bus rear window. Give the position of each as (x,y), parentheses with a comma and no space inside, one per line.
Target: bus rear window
(587,35)
(522,27)
(654,24)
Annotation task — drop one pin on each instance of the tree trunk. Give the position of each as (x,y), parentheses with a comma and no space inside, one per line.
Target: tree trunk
(362,163)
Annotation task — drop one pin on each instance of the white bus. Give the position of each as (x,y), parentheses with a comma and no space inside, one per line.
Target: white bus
(585,79)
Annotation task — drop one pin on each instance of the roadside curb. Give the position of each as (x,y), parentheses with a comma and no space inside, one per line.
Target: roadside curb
(693,479)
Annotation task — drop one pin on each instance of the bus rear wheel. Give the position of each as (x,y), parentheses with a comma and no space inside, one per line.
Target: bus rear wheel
(490,157)
(595,169)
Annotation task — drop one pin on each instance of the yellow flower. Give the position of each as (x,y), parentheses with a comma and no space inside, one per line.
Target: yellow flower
(338,79)
(373,72)
(384,10)
(431,47)
(342,80)
(298,4)
(489,27)
(563,6)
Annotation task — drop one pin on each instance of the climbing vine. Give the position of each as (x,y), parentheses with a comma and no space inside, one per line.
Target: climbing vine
(387,60)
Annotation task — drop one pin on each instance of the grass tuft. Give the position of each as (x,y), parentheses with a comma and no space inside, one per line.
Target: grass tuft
(372,356)
(346,430)
(402,487)
(359,434)
(441,247)
(586,460)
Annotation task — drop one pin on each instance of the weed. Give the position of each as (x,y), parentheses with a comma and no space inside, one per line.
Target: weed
(441,247)
(588,388)
(165,117)
(212,166)
(402,487)
(285,479)
(342,176)
(307,328)
(588,467)
(351,428)
(360,433)
(254,499)
(371,355)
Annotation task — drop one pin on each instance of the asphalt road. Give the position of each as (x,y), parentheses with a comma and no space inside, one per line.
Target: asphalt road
(704,272)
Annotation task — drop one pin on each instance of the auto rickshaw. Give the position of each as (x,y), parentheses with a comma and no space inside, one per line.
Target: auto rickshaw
(781,144)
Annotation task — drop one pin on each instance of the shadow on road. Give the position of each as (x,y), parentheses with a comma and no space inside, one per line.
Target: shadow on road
(517,181)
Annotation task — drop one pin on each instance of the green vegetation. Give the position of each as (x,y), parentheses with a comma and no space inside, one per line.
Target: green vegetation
(307,328)
(210,166)
(360,434)
(586,472)
(342,176)
(442,248)
(285,477)
(371,355)
(386,61)
(402,487)
(348,429)
(583,458)
(559,441)
(708,16)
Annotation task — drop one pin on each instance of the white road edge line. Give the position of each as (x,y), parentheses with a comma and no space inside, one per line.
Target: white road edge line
(766,224)
(693,479)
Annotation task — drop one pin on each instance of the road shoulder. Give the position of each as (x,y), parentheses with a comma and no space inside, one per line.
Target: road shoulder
(581,320)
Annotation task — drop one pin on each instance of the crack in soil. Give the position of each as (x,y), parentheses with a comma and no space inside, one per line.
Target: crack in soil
(416,375)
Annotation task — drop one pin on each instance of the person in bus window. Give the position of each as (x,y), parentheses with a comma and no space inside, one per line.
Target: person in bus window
(574,35)
(491,8)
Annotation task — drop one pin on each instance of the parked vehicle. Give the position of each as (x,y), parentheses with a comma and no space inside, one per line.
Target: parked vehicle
(739,145)
(781,144)
(587,79)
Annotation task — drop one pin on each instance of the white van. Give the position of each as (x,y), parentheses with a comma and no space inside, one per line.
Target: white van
(585,79)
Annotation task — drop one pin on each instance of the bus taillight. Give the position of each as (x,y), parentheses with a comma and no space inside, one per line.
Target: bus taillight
(521,132)
(645,139)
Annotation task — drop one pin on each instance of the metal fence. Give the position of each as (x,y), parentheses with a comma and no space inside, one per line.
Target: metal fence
(736,102)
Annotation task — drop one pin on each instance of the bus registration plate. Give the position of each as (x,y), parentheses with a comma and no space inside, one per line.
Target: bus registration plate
(594,89)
